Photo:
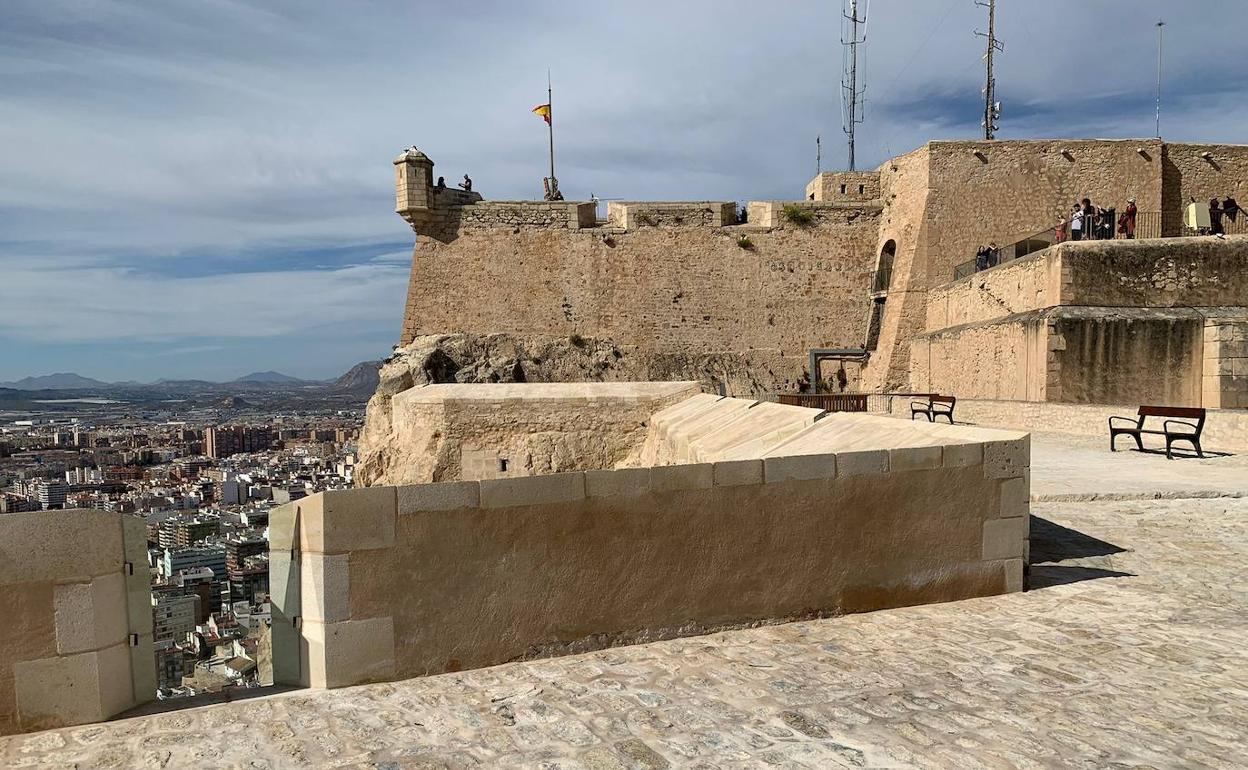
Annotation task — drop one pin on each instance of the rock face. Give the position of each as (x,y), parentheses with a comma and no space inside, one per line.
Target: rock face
(502,358)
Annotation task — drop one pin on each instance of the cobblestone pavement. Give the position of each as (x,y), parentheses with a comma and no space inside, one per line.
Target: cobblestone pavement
(1147,669)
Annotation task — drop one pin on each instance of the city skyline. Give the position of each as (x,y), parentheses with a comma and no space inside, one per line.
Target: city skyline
(204,190)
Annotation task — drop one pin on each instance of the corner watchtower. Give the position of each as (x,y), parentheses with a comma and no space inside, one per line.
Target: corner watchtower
(430,210)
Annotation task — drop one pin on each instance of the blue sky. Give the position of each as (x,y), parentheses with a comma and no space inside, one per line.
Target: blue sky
(203,189)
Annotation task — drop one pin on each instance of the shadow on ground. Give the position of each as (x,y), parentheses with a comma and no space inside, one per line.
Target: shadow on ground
(1061,556)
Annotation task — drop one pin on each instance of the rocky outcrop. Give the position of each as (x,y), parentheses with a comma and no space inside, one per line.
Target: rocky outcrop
(466,358)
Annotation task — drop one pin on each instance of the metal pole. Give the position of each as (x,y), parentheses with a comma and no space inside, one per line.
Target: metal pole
(550,124)
(989,88)
(850,89)
(1160,26)
(818,156)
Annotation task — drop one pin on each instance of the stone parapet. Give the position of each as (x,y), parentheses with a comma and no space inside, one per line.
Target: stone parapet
(568,215)
(842,186)
(632,215)
(812,213)
(848,514)
(76,639)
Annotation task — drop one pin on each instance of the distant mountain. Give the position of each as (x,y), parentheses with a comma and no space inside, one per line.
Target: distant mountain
(271,378)
(362,378)
(58,381)
(236,402)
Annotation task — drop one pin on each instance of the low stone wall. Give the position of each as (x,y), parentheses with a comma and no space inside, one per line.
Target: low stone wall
(844,186)
(771,213)
(631,215)
(568,215)
(75,618)
(395,582)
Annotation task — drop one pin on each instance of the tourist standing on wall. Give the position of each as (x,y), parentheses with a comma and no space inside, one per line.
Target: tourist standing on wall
(1076,223)
(1231,209)
(1061,229)
(1215,218)
(1089,218)
(1127,226)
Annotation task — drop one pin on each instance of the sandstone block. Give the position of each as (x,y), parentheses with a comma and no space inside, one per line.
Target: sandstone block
(532,490)
(1014,578)
(799,468)
(325,587)
(348,653)
(673,478)
(862,463)
(59,545)
(914,458)
(738,473)
(1007,459)
(620,482)
(1016,496)
(346,520)
(90,616)
(282,527)
(963,455)
(439,497)
(73,689)
(1005,538)
(143,669)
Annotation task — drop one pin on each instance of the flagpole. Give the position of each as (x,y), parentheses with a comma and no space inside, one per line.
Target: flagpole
(550,124)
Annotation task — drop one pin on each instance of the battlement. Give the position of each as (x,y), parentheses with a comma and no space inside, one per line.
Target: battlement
(634,214)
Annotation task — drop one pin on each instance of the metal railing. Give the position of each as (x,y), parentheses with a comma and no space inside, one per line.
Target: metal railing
(1148,224)
(872,403)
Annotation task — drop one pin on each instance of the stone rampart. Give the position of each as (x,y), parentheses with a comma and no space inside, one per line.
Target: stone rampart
(632,215)
(842,186)
(76,636)
(849,514)
(568,215)
(657,291)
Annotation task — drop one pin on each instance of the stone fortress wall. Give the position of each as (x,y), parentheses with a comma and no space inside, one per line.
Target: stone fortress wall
(685,279)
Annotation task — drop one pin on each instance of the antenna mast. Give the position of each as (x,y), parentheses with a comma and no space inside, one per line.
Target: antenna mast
(992,107)
(1160,26)
(851,94)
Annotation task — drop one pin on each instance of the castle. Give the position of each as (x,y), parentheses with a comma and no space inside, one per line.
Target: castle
(860,273)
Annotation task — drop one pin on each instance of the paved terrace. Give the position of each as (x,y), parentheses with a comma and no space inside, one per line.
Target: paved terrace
(1129,652)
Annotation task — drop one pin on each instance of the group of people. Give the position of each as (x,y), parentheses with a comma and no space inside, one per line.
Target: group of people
(465,185)
(1090,222)
(987,256)
(1220,212)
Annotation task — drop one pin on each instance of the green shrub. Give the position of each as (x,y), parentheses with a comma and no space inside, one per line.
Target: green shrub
(744,242)
(797,215)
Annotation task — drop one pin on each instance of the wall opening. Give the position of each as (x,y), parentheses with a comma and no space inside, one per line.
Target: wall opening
(884,269)
(877,320)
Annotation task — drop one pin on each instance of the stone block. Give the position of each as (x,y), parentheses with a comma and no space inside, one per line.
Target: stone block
(963,455)
(346,520)
(324,587)
(371,583)
(1218,366)
(349,653)
(73,689)
(1014,577)
(620,482)
(862,463)
(90,616)
(1005,538)
(282,527)
(799,468)
(1007,459)
(143,669)
(1016,496)
(532,490)
(447,496)
(673,478)
(914,458)
(735,473)
(65,546)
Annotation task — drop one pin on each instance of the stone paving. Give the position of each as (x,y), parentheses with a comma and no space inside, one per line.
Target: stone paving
(1129,652)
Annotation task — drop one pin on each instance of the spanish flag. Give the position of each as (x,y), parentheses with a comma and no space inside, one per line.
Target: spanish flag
(543,110)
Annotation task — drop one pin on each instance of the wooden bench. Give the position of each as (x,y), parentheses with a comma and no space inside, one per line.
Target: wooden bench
(1179,429)
(935,406)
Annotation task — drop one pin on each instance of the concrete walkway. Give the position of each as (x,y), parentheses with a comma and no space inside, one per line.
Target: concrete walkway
(1128,652)
(1067,467)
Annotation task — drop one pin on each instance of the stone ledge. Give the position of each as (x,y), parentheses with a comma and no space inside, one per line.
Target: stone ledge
(532,490)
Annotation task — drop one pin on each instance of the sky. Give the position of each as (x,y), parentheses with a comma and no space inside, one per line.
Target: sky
(204,188)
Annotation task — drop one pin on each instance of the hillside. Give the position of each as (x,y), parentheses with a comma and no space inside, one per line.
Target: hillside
(361,378)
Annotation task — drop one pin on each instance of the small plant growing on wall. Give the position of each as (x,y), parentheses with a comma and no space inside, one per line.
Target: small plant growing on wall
(796,215)
(744,242)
